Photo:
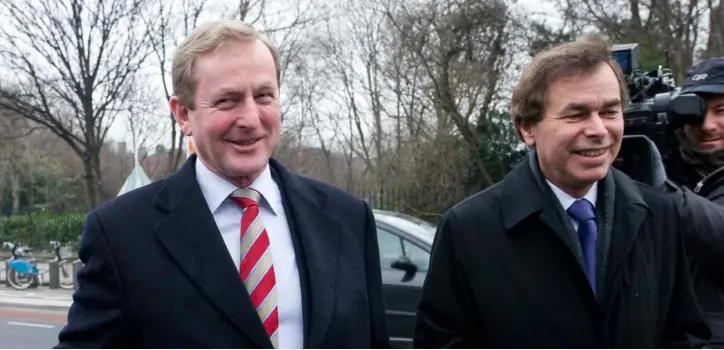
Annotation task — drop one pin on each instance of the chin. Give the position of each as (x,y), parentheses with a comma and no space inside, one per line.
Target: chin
(247,166)
(591,175)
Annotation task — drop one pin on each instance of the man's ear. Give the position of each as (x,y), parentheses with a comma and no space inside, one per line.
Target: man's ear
(526,132)
(181,114)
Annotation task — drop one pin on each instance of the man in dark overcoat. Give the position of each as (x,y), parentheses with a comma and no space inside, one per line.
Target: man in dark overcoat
(566,251)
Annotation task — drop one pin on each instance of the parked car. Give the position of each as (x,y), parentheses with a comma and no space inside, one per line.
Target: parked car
(405,242)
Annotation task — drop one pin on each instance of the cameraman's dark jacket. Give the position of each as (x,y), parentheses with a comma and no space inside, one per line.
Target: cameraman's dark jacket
(706,247)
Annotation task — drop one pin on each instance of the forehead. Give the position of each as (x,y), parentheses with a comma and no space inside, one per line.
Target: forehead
(593,89)
(714,100)
(236,63)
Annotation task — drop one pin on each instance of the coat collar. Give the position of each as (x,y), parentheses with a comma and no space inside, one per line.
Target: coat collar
(525,193)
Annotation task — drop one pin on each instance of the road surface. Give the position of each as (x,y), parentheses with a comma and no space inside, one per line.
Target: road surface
(26,328)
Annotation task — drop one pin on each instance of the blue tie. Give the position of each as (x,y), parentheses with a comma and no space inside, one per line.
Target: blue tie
(583,211)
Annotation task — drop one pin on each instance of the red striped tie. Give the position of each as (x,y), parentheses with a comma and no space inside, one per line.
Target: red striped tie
(257,270)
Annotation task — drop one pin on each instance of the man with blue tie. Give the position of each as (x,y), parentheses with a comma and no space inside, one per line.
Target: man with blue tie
(566,251)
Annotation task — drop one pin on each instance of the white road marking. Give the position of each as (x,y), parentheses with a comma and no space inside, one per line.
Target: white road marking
(36,325)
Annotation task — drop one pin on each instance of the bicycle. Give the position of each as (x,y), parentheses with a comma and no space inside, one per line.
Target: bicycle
(23,273)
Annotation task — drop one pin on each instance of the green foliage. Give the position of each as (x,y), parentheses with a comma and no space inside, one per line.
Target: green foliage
(544,37)
(498,148)
(38,229)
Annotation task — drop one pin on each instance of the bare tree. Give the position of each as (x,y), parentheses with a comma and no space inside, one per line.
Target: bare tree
(170,21)
(141,125)
(465,49)
(76,64)
(659,26)
(715,39)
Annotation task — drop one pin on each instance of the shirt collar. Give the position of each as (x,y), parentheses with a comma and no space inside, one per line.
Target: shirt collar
(567,200)
(217,189)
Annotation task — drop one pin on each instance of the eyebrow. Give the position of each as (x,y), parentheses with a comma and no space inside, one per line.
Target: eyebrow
(579,107)
(230,90)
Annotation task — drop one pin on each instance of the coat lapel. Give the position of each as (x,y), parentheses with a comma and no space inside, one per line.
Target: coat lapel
(190,235)
(630,211)
(319,233)
(525,193)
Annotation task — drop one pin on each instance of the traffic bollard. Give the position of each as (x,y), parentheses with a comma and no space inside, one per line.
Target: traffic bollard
(77,265)
(7,272)
(54,272)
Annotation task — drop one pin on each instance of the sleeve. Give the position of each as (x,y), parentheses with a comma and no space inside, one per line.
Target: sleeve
(379,336)
(95,319)
(446,314)
(703,221)
(685,326)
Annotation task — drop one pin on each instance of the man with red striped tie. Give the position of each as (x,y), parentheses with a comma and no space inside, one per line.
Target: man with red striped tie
(233,250)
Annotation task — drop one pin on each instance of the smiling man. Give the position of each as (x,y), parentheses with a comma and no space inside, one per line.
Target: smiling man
(233,250)
(566,251)
(702,168)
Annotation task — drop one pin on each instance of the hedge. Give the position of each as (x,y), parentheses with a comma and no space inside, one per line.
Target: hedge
(38,229)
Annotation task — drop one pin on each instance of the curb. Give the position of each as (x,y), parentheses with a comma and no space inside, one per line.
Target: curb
(36,303)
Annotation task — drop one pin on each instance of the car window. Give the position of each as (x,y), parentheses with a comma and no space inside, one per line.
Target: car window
(418,256)
(390,248)
(393,247)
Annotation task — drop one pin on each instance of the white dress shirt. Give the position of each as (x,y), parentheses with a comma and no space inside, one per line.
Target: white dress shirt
(567,200)
(227,214)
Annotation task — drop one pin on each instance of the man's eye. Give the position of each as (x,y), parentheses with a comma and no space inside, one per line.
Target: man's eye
(265,97)
(224,102)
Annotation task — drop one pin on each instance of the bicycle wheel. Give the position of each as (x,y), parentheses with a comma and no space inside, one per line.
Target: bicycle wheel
(18,280)
(67,280)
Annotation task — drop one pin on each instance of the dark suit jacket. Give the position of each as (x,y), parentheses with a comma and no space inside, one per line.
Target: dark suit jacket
(504,273)
(157,272)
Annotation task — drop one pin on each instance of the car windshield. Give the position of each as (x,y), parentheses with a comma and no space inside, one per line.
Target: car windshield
(417,227)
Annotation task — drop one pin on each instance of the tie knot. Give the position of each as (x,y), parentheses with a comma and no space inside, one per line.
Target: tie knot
(582,210)
(246,197)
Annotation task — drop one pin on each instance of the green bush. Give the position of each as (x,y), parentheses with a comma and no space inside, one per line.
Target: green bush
(38,229)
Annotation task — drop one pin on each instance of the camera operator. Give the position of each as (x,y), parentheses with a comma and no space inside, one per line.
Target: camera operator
(701,168)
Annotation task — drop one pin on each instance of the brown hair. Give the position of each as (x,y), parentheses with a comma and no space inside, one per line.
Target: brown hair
(206,38)
(571,59)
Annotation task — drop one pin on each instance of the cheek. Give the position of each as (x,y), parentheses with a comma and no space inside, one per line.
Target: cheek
(270,118)
(615,128)
(690,132)
(719,126)
(218,124)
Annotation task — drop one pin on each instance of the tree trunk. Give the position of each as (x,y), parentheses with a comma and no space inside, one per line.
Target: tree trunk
(15,191)
(92,177)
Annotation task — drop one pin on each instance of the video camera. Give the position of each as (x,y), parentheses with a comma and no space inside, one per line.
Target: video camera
(656,109)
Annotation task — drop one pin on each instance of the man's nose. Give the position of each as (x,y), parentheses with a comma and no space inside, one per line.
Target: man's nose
(595,126)
(247,116)
(709,124)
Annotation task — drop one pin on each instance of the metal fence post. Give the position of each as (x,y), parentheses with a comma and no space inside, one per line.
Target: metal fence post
(54,272)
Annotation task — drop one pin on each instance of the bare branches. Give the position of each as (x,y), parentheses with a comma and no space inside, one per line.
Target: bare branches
(75,64)
(465,49)
(170,21)
(657,25)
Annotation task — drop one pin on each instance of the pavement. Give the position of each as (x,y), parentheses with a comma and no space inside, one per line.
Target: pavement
(41,297)
(31,319)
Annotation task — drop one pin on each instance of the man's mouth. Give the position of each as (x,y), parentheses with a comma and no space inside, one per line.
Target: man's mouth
(591,152)
(246,142)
